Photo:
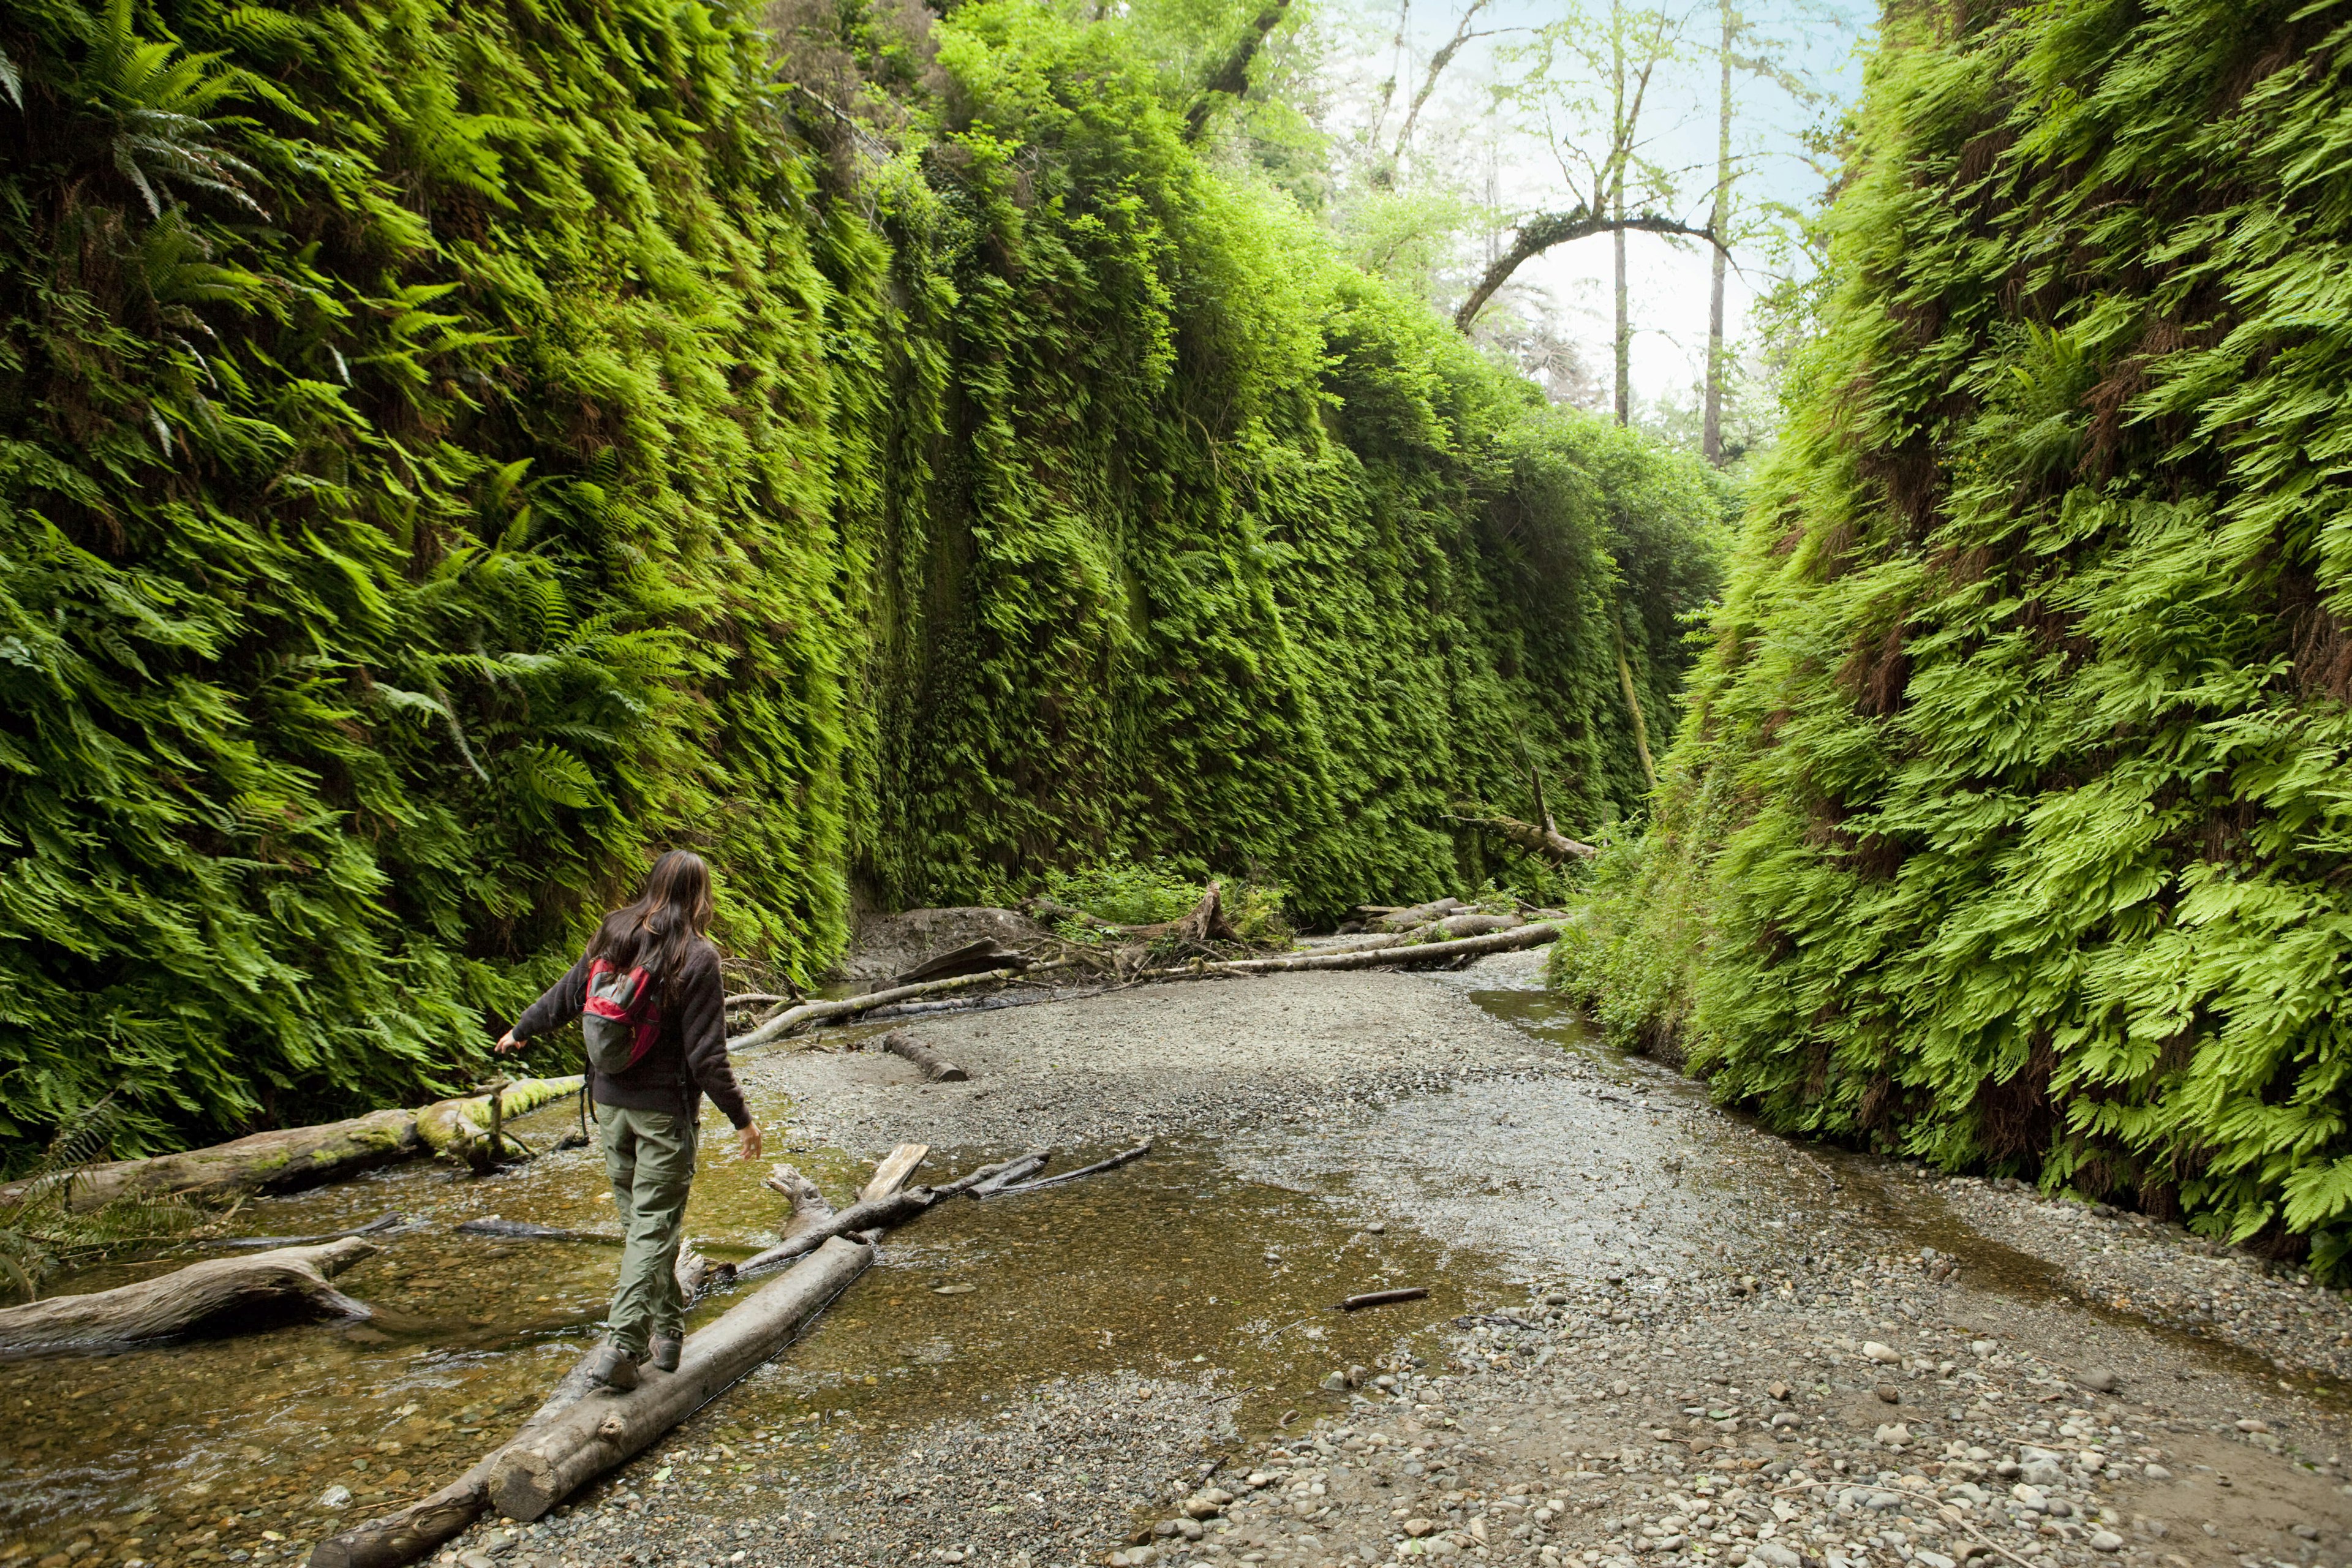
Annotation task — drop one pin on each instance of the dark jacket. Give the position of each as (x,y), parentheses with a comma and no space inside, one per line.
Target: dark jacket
(689,1059)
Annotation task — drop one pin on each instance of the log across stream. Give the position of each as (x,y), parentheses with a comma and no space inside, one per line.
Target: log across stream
(183,1454)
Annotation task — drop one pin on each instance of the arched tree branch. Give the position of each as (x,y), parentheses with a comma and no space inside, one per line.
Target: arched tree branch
(1231,78)
(1542,232)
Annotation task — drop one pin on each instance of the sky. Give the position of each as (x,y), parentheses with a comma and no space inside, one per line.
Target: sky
(1818,40)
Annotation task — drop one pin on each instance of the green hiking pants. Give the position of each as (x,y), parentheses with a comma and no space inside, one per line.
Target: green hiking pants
(649,1156)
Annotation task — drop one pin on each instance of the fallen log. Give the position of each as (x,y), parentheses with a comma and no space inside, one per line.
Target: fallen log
(938,1070)
(284,1160)
(413,1532)
(250,1293)
(1416,914)
(1532,935)
(534,1473)
(473,1126)
(1547,842)
(1113,1163)
(892,1171)
(810,1013)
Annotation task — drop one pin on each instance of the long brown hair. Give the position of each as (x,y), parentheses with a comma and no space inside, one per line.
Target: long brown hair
(659,930)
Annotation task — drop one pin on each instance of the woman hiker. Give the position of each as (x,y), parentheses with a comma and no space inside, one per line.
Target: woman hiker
(649,999)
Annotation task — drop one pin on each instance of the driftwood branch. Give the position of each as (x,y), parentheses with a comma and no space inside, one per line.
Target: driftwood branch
(810,1207)
(534,1473)
(1113,1163)
(991,1178)
(938,1070)
(246,1292)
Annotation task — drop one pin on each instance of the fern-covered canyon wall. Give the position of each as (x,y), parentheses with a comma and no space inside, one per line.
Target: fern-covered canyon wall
(449,452)
(2009,822)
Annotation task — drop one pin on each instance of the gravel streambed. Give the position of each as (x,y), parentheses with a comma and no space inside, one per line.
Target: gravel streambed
(1660,1335)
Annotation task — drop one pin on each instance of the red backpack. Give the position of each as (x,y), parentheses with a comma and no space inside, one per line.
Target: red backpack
(622,1017)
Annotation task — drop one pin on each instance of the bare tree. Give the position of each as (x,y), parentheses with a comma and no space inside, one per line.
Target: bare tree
(1616,189)
(1718,218)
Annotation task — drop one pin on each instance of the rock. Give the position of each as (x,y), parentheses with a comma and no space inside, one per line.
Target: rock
(2105,1540)
(1202,1508)
(1417,1528)
(476,1560)
(1872,1350)
(1982,1347)
(1780,1389)
(1775,1554)
(2040,1473)
(335,1497)
(1892,1431)
(2252,1426)
(2156,1473)
(1335,1382)
(1785,1419)
(1190,1529)
(1932,1559)
(1890,1393)
(1673,1542)
(1357,1375)
(1377,1227)
(2100,1382)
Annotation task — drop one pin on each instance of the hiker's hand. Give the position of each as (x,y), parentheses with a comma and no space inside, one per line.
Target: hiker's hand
(747,1142)
(507,1042)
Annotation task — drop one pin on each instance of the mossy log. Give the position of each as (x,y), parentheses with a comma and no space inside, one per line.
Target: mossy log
(462,1126)
(258,1291)
(285,1160)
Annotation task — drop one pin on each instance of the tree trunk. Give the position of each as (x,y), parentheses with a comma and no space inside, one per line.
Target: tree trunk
(1620,153)
(938,1070)
(256,1291)
(533,1474)
(1417,914)
(1711,432)
(1534,935)
(1634,705)
(285,1160)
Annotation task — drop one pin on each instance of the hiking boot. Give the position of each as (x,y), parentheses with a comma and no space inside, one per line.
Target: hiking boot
(615,1368)
(664,1356)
